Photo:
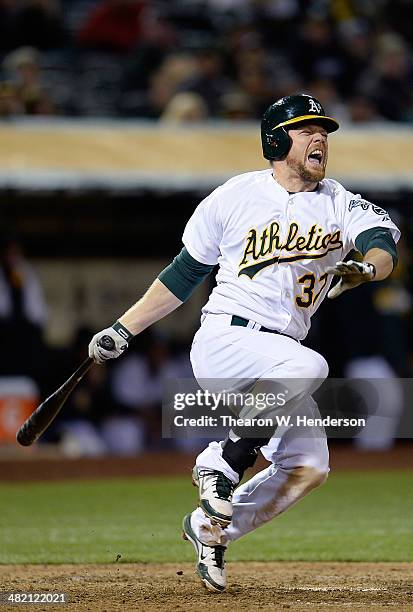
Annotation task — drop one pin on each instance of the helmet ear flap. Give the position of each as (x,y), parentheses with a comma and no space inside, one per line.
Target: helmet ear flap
(276,144)
(271,141)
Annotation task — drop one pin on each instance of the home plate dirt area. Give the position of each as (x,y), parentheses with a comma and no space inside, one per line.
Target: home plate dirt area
(252,586)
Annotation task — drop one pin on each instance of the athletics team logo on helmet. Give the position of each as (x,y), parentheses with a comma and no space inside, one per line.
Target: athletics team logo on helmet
(285,112)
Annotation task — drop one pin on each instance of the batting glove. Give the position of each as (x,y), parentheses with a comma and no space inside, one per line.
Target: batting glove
(353,273)
(120,336)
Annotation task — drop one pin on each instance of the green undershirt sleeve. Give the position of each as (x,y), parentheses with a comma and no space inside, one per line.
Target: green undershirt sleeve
(184,274)
(377,238)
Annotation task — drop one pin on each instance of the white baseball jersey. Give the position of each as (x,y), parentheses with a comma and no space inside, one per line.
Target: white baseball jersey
(273,247)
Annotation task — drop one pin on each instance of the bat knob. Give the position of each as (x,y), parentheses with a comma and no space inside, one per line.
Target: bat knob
(23,438)
(107,343)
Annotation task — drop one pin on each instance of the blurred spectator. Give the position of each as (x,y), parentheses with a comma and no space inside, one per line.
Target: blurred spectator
(185,107)
(390,81)
(362,109)
(260,76)
(137,73)
(371,342)
(137,386)
(193,20)
(164,84)
(316,52)
(113,25)
(277,20)
(398,15)
(356,44)
(209,80)
(121,25)
(22,313)
(352,52)
(381,355)
(236,105)
(37,23)
(9,101)
(22,68)
(89,404)
(258,89)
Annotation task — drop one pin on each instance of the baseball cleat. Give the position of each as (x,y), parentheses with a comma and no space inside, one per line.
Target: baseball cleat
(210,566)
(215,494)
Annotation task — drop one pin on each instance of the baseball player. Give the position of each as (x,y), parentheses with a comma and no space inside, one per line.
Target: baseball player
(279,236)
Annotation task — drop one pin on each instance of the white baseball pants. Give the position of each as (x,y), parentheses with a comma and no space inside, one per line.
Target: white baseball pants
(298,463)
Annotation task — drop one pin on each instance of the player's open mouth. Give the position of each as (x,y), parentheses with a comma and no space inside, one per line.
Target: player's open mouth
(315,158)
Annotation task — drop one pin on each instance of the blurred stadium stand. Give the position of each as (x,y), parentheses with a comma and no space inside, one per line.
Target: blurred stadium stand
(130,57)
(137,110)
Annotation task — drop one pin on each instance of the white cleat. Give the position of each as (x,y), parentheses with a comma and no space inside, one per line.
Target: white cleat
(210,565)
(215,494)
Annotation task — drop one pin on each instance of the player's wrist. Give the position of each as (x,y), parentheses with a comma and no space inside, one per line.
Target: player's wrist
(123,331)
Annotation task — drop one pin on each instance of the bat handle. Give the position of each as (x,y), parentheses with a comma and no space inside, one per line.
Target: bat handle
(105,342)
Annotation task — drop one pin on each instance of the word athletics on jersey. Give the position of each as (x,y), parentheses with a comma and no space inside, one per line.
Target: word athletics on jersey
(260,249)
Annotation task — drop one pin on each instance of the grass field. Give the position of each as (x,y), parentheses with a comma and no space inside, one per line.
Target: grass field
(354,517)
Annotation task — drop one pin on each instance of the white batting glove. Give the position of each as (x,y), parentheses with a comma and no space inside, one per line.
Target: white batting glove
(353,273)
(120,337)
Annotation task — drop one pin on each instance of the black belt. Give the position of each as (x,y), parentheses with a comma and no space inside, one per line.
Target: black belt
(241,322)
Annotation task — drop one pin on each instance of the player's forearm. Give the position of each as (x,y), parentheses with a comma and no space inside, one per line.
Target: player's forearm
(155,304)
(382,261)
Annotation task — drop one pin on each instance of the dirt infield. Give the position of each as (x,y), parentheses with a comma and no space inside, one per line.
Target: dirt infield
(34,464)
(253,586)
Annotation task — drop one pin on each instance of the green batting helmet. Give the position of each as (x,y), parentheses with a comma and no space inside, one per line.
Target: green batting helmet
(286,112)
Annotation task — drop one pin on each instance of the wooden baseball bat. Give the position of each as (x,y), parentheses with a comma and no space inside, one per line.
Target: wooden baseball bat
(44,414)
